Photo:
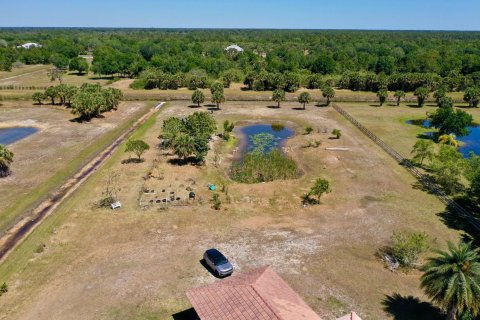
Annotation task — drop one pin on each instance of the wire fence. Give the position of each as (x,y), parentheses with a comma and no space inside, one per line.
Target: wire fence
(425,180)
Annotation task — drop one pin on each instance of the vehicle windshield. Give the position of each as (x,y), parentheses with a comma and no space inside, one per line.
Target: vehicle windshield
(218,258)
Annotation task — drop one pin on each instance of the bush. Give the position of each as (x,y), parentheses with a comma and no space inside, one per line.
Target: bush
(320,187)
(3,289)
(407,246)
(258,167)
(312,144)
(216,202)
(337,133)
(308,130)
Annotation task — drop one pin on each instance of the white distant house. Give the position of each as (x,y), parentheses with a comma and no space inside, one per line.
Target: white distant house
(234,47)
(30,45)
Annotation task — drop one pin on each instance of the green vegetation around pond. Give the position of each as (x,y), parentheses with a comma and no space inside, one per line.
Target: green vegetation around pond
(258,167)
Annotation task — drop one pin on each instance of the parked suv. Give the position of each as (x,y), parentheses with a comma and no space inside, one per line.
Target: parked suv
(216,261)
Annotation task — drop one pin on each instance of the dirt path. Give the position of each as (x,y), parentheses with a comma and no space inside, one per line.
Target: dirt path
(22,74)
(28,223)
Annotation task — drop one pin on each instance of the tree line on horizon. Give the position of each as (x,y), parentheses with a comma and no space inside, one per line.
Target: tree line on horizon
(285,59)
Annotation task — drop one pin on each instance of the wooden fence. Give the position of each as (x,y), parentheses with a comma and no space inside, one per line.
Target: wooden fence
(425,180)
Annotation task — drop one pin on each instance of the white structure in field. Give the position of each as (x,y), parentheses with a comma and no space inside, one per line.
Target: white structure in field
(30,45)
(234,47)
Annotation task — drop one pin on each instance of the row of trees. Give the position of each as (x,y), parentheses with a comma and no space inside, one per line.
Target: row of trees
(88,101)
(471,96)
(218,96)
(408,82)
(262,80)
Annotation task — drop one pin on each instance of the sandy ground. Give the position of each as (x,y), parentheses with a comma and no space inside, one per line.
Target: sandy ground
(59,140)
(137,264)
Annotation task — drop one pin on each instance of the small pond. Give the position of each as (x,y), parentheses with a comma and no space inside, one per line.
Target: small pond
(263,137)
(11,135)
(471,142)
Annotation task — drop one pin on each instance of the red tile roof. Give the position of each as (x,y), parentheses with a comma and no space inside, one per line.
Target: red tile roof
(351,316)
(256,295)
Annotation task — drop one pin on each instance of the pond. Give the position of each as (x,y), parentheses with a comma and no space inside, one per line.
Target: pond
(261,158)
(471,142)
(263,137)
(11,135)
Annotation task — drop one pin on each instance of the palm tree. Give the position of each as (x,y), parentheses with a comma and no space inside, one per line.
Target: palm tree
(304,98)
(278,96)
(449,139)
(183,145)
(452,279)
(382,95)
(6,158)
(329,93)
(399,95)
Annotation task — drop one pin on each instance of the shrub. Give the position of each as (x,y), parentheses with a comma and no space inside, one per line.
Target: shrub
(308,130)
(3,289)
(216,202)
(320,187)
(337,133)
(312,144)
(407,246)
(227,129)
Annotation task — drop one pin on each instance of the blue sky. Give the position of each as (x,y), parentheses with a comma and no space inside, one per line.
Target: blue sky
(308,14)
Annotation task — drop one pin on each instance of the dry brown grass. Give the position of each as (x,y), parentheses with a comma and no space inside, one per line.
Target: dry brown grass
(40,78)
(60,147)
(134,264)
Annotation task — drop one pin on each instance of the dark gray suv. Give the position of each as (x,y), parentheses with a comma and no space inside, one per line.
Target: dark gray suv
(216,261)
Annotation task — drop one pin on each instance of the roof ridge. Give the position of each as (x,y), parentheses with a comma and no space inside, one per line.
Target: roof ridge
(240,280)
(266,303)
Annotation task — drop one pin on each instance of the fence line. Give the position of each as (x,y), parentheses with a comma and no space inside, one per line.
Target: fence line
(422,178)
(19,88)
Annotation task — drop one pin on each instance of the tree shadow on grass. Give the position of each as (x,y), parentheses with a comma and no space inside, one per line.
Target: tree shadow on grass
(81,119)
(454,220)
(411,105)
(189,314)
(464,106)
(183,162)
(194,106)
(410,308)
(132,160)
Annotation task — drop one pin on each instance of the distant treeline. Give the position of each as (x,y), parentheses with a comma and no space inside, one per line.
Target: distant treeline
(358,60)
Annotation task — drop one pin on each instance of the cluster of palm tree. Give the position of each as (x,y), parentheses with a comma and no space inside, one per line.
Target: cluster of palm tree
(452,280)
